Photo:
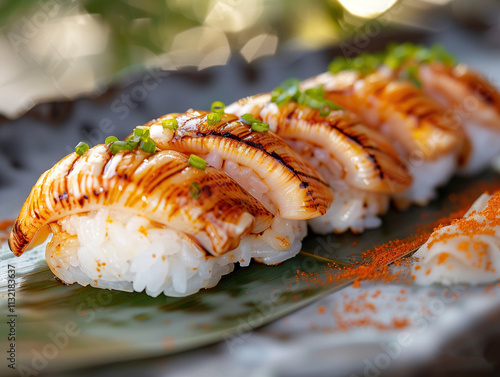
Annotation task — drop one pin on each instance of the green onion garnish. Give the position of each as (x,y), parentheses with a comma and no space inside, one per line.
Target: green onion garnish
(363,63)
(197,162)
(141,137)
(313,97)
(119,146)
(314,103)
(423,55)
(291,86)
(392,62)
(213,119)
(218,107)
(248,119)
(140,134)
(81,148)
(170,124)
(255,124)
(195,190)
(412,75)
(395,57)
(444,56)
(260,127)
(133,142)
(332,105)
(148,146)
(339,64)
(110,139)
(215,116)
(324,110)
(287,91)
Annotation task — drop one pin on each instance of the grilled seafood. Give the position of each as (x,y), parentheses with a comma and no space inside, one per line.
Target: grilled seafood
(260,161)
(429,142)
(135,221)
(358,162)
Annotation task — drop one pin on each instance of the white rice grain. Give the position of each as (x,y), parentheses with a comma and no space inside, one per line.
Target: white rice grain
(116,250)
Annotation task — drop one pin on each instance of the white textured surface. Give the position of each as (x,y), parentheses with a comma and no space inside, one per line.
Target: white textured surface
(310,342)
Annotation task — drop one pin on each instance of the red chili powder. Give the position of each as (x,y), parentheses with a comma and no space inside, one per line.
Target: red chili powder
(168,342)
(361,311)
(469,226)
(367,321)
(375,261)
(376,268)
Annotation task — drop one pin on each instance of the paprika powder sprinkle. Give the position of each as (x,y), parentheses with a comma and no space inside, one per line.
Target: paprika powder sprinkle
(466,251)
(376,261)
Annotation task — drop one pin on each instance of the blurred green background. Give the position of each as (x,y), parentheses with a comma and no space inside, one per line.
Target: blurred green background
(58,49)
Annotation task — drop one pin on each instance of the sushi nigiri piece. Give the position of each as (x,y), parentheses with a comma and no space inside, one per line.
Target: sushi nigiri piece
(137,221)
(475,101)
(464,93)
(465,252)
(430,143)
(358,162)
(261,162)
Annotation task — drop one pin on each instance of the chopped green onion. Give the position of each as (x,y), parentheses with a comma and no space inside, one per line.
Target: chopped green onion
(133,139)
(358,63)
(255,124)
(339,64)
(312,97)
(363,63)
(119,146)
(440,53)
(110,139)
(324,110)
(287,91)
(215,116)
(141,133)
(398,55)
(315,92)
(411,74)
(218,107)
(132,142)
(314,103)
(395,57)
(291,86)
(260,126)
(248,119)
(148,146)
(170,124)
(81,148)
(140,137)
(392,62)
(195,190)
(276,93)
(333,105)
(197,162)
(404,50)
(213,119)
(423,55)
